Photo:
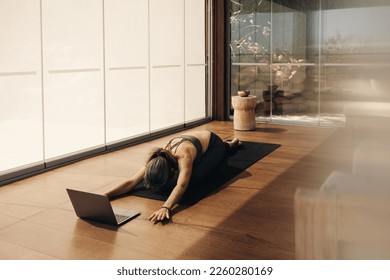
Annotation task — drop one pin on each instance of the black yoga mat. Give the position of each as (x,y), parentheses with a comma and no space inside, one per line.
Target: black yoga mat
(237,161)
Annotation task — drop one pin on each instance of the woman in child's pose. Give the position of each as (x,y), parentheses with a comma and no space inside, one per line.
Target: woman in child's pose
(192,156)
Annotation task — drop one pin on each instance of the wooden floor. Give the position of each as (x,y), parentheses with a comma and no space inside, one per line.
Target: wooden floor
(252,217)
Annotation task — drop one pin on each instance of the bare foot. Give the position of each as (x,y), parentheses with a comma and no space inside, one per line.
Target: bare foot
(234,143)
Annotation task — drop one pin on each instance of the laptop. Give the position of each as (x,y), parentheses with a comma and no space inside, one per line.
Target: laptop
(97,207)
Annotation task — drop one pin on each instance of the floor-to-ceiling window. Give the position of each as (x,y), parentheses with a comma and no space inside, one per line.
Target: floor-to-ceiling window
(78,77)
(305,60)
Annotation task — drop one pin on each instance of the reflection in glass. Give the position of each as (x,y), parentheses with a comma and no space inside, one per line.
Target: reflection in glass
(355,55)
(305,60)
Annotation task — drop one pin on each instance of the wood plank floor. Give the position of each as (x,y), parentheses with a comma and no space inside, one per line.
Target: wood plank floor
(252,217)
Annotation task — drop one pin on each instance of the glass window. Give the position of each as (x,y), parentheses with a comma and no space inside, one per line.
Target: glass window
(306,60)
(354,54)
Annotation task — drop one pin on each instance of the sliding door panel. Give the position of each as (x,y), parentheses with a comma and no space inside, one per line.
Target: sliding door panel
(73,112)
(195,95)
(72,34)
(127,103)
(195,60)
(167,63)
(195,38)
(127,64)
(167,99)
(20,84)
(166,32)
(73,75)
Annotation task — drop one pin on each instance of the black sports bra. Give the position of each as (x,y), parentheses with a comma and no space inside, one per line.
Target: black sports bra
(195,141)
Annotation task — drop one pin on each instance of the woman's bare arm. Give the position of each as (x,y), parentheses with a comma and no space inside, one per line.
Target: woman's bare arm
(128,185)
(185,170)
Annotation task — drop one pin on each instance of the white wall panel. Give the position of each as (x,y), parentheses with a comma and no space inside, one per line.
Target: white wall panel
(21,140)
(167,63)
(167,99)
(127,64)
(166,32)
(127,103)
(73,75)
(195,88)
(74,112)
(195,59)
(72,34)
(20,36)
(20,84)
(195,32)
(126,33)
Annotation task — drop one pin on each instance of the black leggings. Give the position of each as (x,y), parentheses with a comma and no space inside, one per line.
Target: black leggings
(214,155)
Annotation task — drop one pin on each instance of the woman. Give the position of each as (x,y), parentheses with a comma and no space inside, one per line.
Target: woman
(192,156)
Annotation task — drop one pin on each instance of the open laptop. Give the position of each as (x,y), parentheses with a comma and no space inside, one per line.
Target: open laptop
(97,207)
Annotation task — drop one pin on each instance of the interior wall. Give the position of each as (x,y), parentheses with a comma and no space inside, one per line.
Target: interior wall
(78,76)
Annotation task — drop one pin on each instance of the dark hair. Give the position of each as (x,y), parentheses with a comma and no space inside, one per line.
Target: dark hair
(159,168)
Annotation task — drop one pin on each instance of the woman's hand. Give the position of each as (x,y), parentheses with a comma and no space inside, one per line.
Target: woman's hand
(160,215)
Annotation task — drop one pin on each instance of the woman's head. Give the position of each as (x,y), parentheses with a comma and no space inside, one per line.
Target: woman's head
(159,168)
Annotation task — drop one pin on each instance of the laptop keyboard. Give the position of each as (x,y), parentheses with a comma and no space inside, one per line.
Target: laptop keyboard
(121,218)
